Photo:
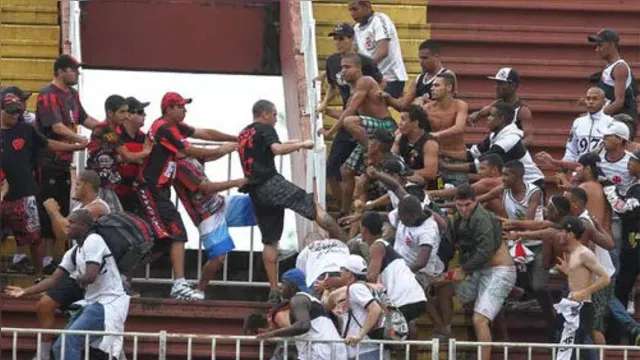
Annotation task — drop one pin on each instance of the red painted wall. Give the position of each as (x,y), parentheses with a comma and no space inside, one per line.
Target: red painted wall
(219,37)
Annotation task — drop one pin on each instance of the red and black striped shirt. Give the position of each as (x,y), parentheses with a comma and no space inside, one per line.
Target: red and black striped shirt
(129,171)
(199,205)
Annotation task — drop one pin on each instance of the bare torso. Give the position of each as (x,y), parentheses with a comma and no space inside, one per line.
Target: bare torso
(373,105)
(501,257)
(580,277)
(596,204)
(485,185)
(442,118)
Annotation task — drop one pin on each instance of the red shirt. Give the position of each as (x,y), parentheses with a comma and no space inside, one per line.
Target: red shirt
(159,168)
(129,171)
(199,205)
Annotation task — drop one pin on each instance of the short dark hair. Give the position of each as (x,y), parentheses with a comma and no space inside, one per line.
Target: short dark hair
(465,192)
(83,217)
(573,225)
(114,102)
(627,120)
(515,166)
(413,206)
(372,221)
(504,110)
(494,160)
(262,106)
(91,178)
(591,160)
(449,79)
(430,45)
(354,58)
(561,204)
(579,194)
(385,138)
(416,113)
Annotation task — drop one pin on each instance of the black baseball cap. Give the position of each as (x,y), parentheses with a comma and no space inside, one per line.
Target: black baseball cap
(66,62)
(343,29)
(396,166)
(22,94)
(506,74)
(135,104)
(604,35)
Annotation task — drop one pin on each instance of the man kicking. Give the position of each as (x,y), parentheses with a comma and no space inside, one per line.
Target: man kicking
(270,192)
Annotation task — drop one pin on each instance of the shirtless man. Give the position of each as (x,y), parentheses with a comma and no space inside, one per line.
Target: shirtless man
(586,276)
(586,174)
(372,114)
(447,117)
(490,171)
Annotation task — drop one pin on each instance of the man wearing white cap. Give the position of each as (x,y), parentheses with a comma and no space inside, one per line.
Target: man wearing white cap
(615,158)
(507,82)
(362,312)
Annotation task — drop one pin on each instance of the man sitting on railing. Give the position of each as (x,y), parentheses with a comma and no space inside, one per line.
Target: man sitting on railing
(96,270)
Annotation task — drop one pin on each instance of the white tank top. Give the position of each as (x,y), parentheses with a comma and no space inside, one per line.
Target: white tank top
(322,328)
(517,210)
(401,284)
(602,255)
(617,172)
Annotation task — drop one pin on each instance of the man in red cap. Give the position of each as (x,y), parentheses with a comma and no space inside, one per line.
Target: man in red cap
(58,114)
(153,184)
(20,141)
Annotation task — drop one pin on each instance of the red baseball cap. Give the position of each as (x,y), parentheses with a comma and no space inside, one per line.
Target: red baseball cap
(171,98)
(12,103)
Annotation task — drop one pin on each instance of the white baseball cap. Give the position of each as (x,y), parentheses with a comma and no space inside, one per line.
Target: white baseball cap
(356,264)
(506,74)
(618,129)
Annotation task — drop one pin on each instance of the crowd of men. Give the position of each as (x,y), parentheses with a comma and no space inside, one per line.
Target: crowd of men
(411,196)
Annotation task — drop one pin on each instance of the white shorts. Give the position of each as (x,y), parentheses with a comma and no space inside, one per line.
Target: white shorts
(489,287)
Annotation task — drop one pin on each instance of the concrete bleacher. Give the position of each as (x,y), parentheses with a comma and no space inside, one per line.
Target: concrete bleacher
(29,43)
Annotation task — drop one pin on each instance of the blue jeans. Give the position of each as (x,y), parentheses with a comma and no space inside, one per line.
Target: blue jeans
(620,314)
(90,318)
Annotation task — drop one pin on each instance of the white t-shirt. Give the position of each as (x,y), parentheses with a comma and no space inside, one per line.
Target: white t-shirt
(410,239)
(322,256)
(322,328)
(360,297)
(107,289)
(617,172)
(380,27)
(401,284)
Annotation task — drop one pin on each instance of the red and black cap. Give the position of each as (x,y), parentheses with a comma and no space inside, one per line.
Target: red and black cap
(605,35)
(171,99)
(66,62)
(12,104)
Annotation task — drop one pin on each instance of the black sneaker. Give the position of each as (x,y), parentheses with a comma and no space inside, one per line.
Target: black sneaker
(21,267)
(49,269)
(274,297)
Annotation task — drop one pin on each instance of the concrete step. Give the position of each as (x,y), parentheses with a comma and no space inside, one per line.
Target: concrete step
(29,41)
(338,11)
(405,31)
(28,14)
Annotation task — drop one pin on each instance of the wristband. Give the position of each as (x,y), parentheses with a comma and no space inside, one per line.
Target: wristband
(448,275)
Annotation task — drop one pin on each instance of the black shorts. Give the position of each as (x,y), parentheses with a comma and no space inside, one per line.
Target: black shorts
(269,201)
(414,310)
(66,292)
(161,213)
(341,147)
(56,184)
(130,203)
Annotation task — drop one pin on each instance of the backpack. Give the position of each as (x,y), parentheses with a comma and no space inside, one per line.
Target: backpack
(128,237)
(391,326)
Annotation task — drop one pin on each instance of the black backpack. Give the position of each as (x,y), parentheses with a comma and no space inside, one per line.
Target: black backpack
(129,238)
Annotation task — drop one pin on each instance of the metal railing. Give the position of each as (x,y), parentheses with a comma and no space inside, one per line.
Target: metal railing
(164,339)
(529,348)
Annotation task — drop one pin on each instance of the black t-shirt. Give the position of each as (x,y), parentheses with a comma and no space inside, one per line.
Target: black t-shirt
(18,159)
(255,152)
(369,68)
(54,106)
(631,220)
(103,155)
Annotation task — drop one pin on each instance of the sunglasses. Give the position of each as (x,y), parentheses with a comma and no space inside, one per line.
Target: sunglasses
(139,112)
(14,111)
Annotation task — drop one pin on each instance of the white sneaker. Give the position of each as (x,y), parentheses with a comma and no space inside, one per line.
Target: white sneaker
(183,291)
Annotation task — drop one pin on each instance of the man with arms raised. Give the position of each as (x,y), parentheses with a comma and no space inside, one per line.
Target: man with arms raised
(586,276)
(447,117)
(486,274)
(270,192)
